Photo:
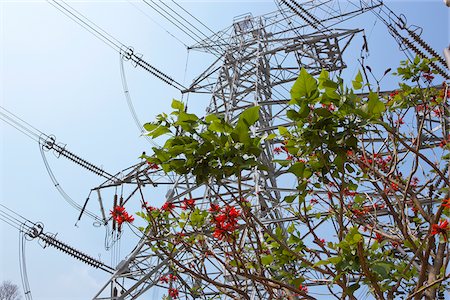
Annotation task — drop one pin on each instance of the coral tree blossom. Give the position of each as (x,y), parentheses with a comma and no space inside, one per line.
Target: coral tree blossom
(168,206)
(225,221)
(120,215)
(173,293)
(187,204)
(440,228)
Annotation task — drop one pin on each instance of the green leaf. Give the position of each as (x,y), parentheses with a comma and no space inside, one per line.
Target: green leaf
(335,260)
(375,106)
(322,112)
(357,83)
(351,289)
(382,269)
(282,130)
(249,116)
(185,117)
(304,110)
(282,162)
(357,237)
(212,118)
(178,105)
(271,136)
(158,131)
(305,87)
(323,77)
(290,198)
(297,169)
(293,115)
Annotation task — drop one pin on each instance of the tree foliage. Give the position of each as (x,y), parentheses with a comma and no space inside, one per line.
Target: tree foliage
(369,207)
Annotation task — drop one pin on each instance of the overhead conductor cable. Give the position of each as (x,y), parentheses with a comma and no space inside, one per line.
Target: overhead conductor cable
(112,42)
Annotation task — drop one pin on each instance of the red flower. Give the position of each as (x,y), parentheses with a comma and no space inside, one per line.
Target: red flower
(187,203)
(330,195)
(440,228)
(399,122)
(303,288)
(428,77)
(153,166)
(437,112)
(350,193)
(446,203)
(393,94)
(320,242)
(120,215)
(444,142)
(214,207)
(225,221)
(172,277)
(173,293)
(378,237)
(394,186)
(168,206)
(277,150)
(163,279)
(147,207)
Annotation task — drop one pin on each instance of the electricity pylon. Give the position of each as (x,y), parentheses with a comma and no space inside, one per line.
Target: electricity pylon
(260,58)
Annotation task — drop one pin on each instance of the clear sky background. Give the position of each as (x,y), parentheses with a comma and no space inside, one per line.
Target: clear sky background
(64,81)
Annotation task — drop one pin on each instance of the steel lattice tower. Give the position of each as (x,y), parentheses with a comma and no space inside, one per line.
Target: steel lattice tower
(258,59)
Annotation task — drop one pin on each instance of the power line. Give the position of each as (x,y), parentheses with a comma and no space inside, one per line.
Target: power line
(194,17)
(173,20)
(158,24)
(36,230)
(112,42)
(86,24)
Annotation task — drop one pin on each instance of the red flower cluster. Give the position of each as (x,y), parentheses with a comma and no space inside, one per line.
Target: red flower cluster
(320,242)
(394,186)
(167,279)
(414,181)
(330,106)
(225,221)
(378,237)
(214,207)
(446,203)
(120,215)
(187,204)
(381,163)
(168,206)
(173,293)
(148,207)
(350,193)
(153,166)
(303,288)
(399,122)
(365,209)
(440,228)
(428,77)
(437,111)
(393,94)
(444,142)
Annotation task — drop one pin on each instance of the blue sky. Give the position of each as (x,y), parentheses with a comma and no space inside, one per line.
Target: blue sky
(65,82)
